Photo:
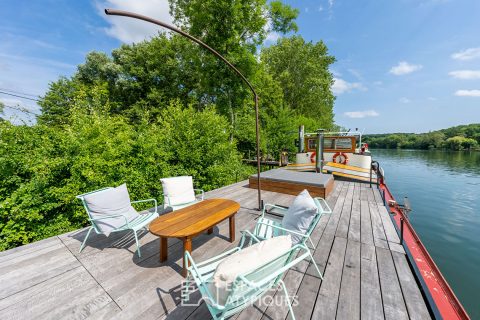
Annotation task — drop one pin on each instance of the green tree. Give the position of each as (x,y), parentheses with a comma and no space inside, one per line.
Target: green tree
(235,29)
(302,69)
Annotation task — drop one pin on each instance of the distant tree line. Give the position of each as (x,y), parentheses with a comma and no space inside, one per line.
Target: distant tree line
(162,107)
(464,137)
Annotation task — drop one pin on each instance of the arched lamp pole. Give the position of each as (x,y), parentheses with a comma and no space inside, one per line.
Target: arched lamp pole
(115,12)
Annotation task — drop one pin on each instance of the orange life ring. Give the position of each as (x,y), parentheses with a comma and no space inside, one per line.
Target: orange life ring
(340,154)
(313,157)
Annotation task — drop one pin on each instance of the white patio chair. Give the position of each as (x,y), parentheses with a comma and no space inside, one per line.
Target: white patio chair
(299,221)
(110,210)
(253,276)
(178,192)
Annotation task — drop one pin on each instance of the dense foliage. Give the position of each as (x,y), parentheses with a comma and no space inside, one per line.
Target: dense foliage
(43,168)
(162,107)
(464,137)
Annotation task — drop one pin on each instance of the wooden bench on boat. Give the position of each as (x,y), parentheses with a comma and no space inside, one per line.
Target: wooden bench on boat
(292,182)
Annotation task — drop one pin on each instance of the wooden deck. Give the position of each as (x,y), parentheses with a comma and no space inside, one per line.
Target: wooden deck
(366,274)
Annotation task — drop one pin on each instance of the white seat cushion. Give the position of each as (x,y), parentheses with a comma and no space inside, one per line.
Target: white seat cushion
(178,190)
(299,215)
(245,261)
(114,201)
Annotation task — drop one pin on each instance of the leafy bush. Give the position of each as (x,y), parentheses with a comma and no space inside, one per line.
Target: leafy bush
(43,168)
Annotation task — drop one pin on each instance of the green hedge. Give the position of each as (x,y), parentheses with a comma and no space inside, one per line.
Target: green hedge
(43,168)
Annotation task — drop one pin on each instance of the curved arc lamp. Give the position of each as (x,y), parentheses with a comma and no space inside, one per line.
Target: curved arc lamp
(115,12)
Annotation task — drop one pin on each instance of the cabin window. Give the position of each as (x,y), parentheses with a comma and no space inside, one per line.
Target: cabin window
(333,144)
(344,144)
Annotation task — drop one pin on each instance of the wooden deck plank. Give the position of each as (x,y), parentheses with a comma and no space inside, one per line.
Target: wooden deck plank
(327,301)
(349,300)
(366,232)
(74,293)
(393,303)
(390,231)
(344,223)
(371,297)
(377,196)
(416,306)
(27,273)
(379,237)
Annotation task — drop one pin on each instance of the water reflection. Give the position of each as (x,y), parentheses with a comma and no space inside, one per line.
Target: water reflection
(444,189)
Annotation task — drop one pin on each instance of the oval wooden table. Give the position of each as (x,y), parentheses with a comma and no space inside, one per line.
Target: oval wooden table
(190,221)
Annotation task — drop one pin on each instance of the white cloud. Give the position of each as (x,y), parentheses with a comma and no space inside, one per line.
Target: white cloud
(272,36)
(467,93)
(404,100)
(468,54)
(465,74)
(320,8)
(307,9)
(130,30)
(432,98)
(341,86)
(331,3)
(404,67)
(361,114)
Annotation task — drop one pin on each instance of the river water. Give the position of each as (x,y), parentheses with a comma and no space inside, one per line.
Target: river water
(444,191)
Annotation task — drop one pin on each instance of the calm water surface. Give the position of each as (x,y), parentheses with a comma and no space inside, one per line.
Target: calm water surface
(444,190)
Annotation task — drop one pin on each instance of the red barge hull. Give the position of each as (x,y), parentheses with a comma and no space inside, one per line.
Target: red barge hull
(444,303)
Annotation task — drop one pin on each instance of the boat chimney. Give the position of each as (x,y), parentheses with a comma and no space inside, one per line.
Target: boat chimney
(301,139)
(319,154)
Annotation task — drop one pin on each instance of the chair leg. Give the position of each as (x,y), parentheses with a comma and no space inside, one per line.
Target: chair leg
(85,240)
(186,292)
(136,241)
(315,264)
(311,242)
(288,300)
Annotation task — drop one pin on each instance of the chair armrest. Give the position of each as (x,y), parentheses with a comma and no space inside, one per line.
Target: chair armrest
(201,192)
(147,200)
(283,229)
(273,206)
(323,205)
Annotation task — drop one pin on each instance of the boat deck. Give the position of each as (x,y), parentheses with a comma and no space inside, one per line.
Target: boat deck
(366,273)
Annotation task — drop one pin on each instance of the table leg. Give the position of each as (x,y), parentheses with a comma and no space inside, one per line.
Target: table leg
(187,246)
(163,249)
(210,231)
(232,228)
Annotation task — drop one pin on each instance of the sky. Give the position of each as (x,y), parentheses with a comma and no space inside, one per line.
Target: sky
(401,65)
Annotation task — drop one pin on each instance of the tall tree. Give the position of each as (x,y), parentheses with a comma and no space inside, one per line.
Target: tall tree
(235,28)
(302,69)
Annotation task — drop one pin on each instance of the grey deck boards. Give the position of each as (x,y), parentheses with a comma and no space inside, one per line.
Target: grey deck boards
(366,273)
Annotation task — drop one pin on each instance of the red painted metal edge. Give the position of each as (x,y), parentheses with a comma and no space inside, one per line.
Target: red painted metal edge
(443,296)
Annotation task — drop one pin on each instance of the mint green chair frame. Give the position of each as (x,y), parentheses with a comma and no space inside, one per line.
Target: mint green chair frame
(266,228)
(247,287)
(198,193)
(141,222)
